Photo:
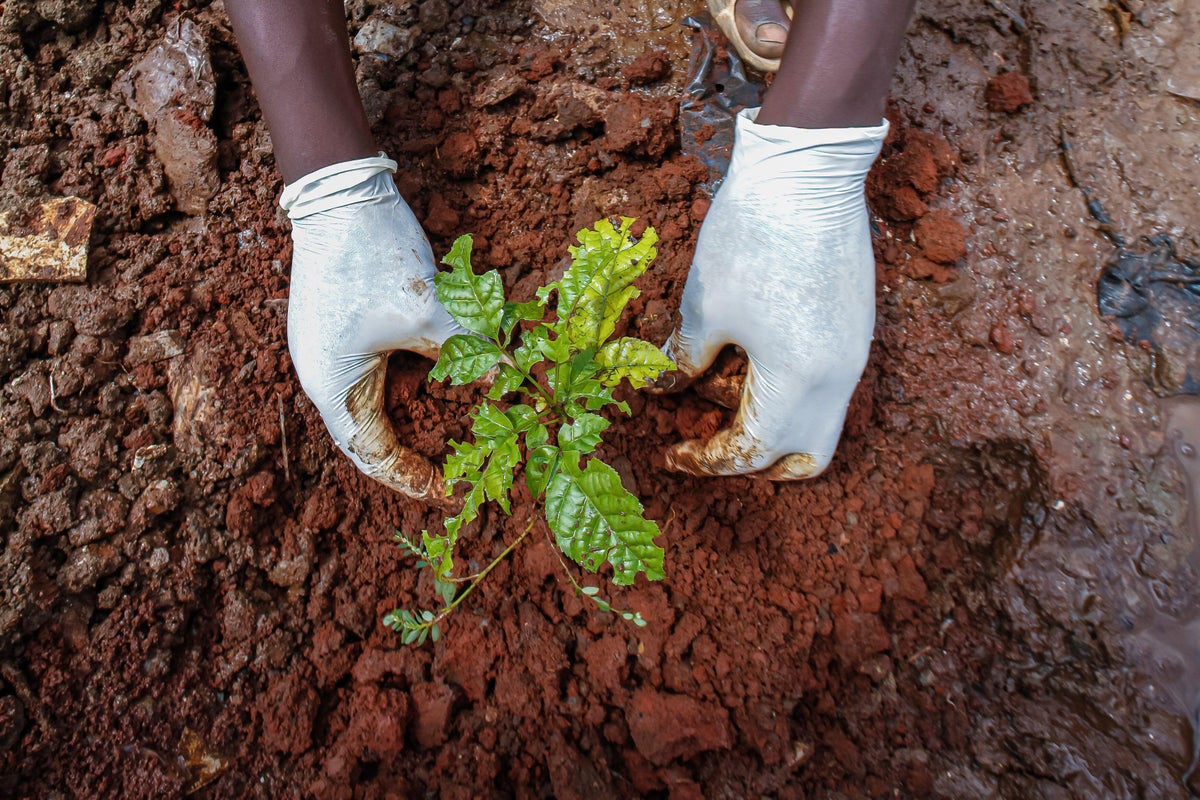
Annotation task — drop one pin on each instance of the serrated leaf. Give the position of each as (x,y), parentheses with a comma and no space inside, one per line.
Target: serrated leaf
(490,423)
(523,418)
(508,379)
(592,395)
(631,358)
(470,512)
(497,477)
(532,311)
(595,519)
(537,436)
(475,301)
(465,462)
(540,466)
(465,358)
(440,550)
(599,283)
(582,435)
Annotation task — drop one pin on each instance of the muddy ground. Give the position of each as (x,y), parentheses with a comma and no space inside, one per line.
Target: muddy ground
(990,594)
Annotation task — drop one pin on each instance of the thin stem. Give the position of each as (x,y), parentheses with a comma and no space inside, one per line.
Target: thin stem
(478,578)
(603,605)
(549,398)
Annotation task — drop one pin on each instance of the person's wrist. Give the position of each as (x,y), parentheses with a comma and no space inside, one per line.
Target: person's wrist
(338,185)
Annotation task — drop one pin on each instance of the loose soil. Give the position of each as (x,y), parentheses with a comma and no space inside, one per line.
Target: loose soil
(989,594)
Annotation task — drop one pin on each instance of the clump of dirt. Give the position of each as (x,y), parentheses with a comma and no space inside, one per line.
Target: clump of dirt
(193,579)
(1008,93)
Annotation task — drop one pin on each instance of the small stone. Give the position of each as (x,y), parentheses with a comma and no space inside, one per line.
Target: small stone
(1002,339)
(87,566)
(503,84)
(154,347)
(379,37)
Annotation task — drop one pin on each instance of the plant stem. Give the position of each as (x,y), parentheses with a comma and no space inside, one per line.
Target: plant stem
(478,578)
(529,379)
(602,604)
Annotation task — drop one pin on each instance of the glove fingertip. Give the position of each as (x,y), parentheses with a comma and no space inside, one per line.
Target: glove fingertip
(372,444)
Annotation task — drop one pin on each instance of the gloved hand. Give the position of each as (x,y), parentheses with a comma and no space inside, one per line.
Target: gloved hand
(783,268)
(362,286)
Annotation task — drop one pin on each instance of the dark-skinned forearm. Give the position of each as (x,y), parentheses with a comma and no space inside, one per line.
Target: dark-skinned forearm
(838,64)
(298,56)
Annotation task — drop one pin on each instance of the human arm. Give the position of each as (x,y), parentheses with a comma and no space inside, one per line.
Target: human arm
(362,269)
(799,295)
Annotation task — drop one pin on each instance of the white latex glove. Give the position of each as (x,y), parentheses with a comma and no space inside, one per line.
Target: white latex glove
(362,286)
(783,268)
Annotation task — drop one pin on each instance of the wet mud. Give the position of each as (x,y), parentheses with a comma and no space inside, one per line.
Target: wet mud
(990,593)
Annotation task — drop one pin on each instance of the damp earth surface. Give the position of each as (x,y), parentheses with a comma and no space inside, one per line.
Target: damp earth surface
(991,593)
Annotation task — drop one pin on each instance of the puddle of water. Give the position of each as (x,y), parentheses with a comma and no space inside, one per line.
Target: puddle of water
(1166,641)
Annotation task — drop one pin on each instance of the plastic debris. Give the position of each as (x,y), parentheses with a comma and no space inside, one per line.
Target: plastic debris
(204,766)
(1155,298)
(49,243)
(717,89)
(172,88)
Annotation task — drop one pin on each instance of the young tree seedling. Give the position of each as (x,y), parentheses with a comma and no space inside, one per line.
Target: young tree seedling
(564,371)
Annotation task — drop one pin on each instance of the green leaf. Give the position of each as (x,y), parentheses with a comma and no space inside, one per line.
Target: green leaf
(595,519)
(465,358)
(590,591)
(515,312)
(435,633)
(498,474)
(540,466)
(536,437)
(592,395)
(530,350)
(583,434)
(465,462)
(445,589)
(523,418)
(475,301)
(599,283)
(469,513)
(491,423)
(440,550)
(631,358)
(508,379)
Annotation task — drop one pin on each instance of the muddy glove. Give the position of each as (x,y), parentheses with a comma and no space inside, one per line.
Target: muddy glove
(783,268)
(362,286)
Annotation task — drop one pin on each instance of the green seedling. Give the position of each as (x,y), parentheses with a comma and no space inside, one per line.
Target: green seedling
(562,371)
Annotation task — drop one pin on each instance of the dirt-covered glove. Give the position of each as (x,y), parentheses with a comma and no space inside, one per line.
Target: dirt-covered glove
(362,286)
(783,268)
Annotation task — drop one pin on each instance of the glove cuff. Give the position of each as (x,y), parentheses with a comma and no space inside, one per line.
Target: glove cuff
(338,185)
(802,138)
(837,151)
